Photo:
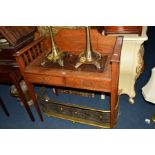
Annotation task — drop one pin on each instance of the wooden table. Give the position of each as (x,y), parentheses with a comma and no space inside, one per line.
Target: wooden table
(73,41)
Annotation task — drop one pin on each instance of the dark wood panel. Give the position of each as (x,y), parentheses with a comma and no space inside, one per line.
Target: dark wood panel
(123,30)
(16,34)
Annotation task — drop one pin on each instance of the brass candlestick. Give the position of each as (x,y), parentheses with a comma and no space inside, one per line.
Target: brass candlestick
(55,56)
(89,56)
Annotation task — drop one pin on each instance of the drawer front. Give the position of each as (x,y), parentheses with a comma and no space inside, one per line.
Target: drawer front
(49,80)
(88,84)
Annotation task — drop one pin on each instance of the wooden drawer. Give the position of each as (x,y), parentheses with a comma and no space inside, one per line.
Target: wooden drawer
(96,85)
(44,79)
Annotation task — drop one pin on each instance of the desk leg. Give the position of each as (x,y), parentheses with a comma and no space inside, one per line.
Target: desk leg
(113,114)
(114,93)
(32,94)
(3,107)
(21,95)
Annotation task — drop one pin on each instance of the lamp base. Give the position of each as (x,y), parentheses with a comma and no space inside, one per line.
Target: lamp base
(56,58)
(94,60)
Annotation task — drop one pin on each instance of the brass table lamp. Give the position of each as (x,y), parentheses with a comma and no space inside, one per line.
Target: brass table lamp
(55,56)
(89,56)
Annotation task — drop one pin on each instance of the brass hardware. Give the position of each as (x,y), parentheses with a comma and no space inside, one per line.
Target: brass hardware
(101,116)
(55,56)
(153,118)
(74,113)
(78,120)
(89,56)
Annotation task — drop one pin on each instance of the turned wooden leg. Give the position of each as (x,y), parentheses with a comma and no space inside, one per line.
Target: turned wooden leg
(32,95)
(3,107)
(21,95)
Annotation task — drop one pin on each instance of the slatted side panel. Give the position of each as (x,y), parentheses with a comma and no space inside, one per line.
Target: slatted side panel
(32,53)
(29,53)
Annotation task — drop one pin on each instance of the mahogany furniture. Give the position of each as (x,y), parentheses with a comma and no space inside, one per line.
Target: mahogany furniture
(12,39)
(30,58)
(123,30)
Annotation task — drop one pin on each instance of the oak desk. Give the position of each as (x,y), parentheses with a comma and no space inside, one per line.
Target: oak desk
(30,58)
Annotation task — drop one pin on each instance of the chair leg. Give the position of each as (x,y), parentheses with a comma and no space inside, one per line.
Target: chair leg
(32,94)
(21,95)
(3,107)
